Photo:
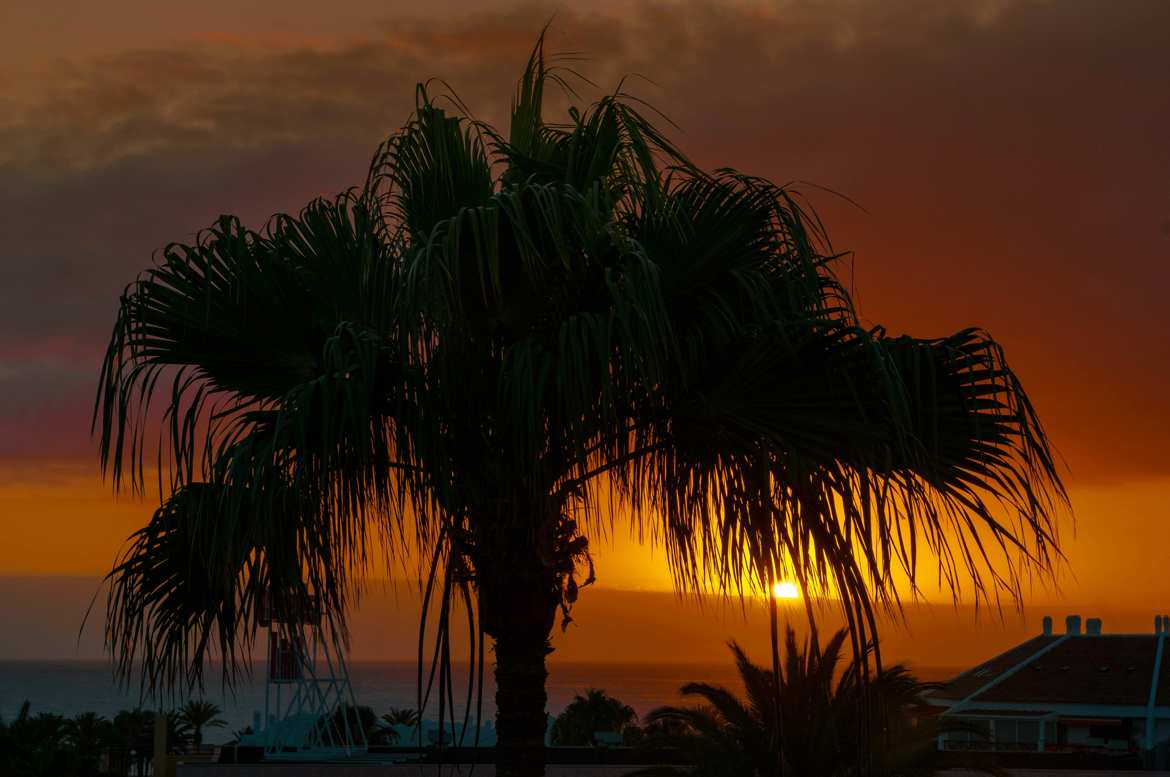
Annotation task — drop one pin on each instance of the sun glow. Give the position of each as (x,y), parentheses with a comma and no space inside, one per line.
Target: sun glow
(786,590)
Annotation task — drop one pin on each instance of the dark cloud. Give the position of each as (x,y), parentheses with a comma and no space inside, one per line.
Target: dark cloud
(224,92)
(1011,158)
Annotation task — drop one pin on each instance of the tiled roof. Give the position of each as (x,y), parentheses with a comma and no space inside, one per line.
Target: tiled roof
(1106,669)
(972,680)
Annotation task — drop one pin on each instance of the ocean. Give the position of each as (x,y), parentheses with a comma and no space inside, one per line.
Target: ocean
(71,687)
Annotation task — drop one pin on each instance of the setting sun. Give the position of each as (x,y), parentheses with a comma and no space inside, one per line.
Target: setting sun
(786,590)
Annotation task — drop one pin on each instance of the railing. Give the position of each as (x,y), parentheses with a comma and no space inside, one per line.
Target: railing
(984,746)
(999,746)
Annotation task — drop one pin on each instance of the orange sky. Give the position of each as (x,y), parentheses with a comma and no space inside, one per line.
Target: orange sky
(1010,157)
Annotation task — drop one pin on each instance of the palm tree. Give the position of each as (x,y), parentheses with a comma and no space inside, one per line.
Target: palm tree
(401,716)
(500,343)
(89,736)
(396,717)
(178,731)
(10,738)
(831,721)
(588,714)
(135,732)
(34,745)
(198,715)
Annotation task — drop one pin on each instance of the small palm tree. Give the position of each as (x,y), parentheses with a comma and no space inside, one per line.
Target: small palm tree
(401,716)
(10,738)
(134,730)
(35,745)
(586,715)
(89,736)
(178,731)
(395,717)
(831,720)
(199,715)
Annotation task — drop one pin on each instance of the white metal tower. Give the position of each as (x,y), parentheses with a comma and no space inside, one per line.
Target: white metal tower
(306,690)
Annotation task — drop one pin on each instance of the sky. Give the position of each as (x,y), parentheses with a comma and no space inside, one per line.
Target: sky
(1008,161)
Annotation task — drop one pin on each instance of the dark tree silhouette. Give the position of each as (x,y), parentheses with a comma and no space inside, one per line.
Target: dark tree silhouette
(90,735)
(398,717)
(133,730)
(501,342)
(35,745)
(831,722)
(588,714)
(198,715)
(351,723)
(403,716)
(55,746)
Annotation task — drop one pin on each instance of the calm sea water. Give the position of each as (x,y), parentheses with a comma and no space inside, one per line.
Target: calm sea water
(70,687)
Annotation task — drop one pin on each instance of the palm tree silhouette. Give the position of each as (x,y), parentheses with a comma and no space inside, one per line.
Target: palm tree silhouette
(198,715)
(35,745)
(500,343)
(403,716)
(588,714)
(396,717)
(831,720)
(135,731)
(89,736)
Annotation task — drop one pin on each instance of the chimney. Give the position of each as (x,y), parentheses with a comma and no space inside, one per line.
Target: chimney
(1048,625)
(1157,624)
(1093,626)
(1072,624)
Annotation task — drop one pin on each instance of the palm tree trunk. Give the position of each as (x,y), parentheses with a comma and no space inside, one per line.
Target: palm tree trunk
(517,609)
(520,703)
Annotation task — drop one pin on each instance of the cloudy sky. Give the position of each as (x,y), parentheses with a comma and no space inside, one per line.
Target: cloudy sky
(1009,160)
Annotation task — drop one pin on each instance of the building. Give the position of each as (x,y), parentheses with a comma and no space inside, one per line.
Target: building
(1078,692)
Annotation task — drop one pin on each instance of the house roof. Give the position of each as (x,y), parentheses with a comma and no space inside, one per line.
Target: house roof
(1105,669)
(973,679)
(1068,669)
